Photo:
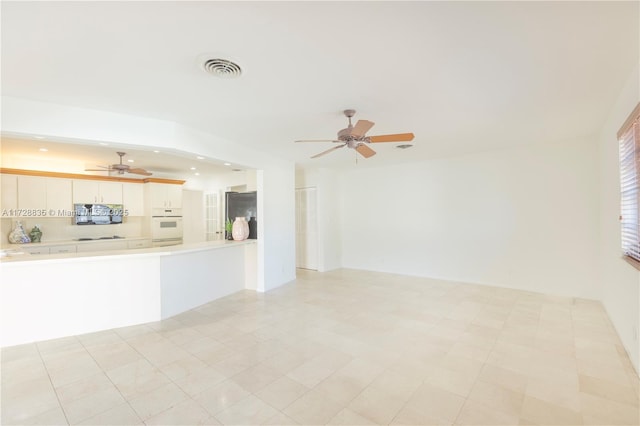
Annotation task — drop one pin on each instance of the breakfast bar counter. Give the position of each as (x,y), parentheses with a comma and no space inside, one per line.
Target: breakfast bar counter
(49,296)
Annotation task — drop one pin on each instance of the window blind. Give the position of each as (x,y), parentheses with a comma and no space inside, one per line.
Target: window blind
(629,137)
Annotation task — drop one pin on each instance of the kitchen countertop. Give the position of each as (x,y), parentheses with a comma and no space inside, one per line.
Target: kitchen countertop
(23,257)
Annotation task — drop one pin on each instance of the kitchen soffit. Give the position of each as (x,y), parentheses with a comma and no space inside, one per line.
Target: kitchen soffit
(25,153)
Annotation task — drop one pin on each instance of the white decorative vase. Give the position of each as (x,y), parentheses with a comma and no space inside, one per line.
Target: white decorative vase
(19,236)
(240,229)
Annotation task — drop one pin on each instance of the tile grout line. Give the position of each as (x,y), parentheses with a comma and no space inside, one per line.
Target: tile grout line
(111,381)
(64,413)
(495,342)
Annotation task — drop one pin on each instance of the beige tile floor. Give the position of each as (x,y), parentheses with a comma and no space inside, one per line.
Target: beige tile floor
(345,347)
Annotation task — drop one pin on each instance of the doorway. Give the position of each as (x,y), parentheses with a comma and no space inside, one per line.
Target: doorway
(306,228)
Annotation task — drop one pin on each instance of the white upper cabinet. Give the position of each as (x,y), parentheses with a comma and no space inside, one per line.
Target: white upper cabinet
(133,198)
(111,192)
(59,195)
(174,196)
(165,196)
(95,191)
(53,195)
(32,193)
(9,201)
(86,191)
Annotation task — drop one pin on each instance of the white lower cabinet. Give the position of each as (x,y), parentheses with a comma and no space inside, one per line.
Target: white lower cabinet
(102,246)
(96,246)
(36,250)
(67,248)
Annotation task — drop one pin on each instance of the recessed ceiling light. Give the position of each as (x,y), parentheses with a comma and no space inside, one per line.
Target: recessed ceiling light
(227,164)
(156,151)
(44,149)
(200,158)
(193,168)
(103,144)
(39,137)
(197,174)
(131,161)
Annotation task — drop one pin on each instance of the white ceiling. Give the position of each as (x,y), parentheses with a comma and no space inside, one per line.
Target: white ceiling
(463,76)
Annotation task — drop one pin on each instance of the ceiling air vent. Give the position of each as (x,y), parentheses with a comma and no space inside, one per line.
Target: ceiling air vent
(404,146)
(222,68)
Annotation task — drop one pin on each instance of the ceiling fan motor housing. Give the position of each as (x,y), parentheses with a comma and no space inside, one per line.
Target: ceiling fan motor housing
(345,134)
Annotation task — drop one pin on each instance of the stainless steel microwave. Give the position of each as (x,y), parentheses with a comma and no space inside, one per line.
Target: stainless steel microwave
(97,214)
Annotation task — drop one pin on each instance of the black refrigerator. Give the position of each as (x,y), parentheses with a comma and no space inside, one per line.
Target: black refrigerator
(238,204)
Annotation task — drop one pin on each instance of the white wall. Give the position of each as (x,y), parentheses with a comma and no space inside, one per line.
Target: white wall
(328,186)
(191,279)
(523,218)
(620,282)
(276,226)
(47,299)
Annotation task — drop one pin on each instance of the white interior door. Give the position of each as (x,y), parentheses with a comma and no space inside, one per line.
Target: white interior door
(306,228)
(212,216)
(193,216)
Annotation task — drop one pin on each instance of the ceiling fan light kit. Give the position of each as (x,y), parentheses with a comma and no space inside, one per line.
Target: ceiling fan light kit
(354,137)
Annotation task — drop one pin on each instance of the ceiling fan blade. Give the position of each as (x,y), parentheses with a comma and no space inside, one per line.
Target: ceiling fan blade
(328,151)
(398,137)
(361,127)
(139,172)
(319,140)
(365,151)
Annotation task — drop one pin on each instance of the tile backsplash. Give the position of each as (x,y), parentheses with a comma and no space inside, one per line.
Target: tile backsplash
(61,228)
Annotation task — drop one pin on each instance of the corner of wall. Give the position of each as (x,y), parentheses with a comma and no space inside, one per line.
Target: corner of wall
(619,282)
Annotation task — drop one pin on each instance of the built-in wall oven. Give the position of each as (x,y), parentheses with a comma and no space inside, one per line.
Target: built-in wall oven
(166,227)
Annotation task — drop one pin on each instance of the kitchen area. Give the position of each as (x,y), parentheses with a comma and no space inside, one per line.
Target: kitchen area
(83,252)
(59,213)
(45,187)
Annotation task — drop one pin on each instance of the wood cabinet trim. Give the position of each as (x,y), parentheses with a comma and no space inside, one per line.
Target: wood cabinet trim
(160,180)
(88,177)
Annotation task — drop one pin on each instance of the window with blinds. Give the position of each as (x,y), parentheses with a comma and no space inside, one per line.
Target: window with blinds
(629,138)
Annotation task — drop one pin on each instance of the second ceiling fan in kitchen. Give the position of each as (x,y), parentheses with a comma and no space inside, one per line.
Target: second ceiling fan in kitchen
(120,168)
(355,137)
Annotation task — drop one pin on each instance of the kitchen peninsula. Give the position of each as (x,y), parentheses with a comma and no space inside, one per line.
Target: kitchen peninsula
(76,293)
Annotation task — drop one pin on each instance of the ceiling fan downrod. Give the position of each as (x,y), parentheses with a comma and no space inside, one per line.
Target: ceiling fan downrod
(349,113)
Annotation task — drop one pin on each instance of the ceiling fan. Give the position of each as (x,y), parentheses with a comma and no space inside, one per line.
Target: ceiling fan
(355,137)
(120,168)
